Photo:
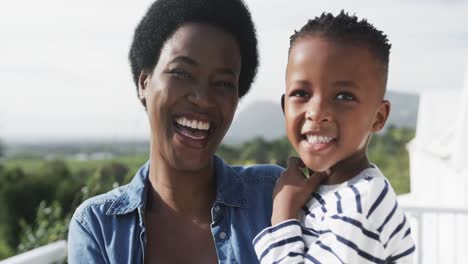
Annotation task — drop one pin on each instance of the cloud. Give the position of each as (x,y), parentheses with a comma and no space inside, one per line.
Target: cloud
(66,62)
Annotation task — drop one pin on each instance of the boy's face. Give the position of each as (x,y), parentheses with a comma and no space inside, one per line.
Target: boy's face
(333,101)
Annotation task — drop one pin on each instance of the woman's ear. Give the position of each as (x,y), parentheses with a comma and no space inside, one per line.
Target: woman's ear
(282,102)
(381,116)
(143,81)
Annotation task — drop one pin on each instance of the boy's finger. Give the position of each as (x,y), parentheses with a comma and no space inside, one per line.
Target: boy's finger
(314,181)
(317,177)
(293,163)
(301,163)
(297,168)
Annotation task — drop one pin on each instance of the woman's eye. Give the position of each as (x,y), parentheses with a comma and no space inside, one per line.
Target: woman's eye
(345,97)
(180,73)
(225,84)
(299,93)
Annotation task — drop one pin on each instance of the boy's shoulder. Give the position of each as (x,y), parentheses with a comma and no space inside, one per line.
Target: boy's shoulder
(369,194)
(371,183)
(373,188)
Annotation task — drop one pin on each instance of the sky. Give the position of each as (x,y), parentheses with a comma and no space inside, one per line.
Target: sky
(64,72)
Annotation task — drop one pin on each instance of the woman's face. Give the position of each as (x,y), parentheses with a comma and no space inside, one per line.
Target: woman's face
(191,95)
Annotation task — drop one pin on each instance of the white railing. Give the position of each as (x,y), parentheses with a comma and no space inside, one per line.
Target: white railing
(52,253)
(441,234)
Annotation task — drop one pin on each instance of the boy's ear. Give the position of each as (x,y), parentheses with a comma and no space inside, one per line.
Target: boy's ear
(381,116)
(282,102)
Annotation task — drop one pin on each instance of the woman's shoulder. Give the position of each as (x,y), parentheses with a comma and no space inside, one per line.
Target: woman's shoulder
(99,205)
(258,172)
(250,172)
(121,200)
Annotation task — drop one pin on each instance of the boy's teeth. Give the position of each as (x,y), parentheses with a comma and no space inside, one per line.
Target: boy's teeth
(318,139)
(195,124)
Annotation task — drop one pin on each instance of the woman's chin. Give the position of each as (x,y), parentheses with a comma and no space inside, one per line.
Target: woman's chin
(191,163)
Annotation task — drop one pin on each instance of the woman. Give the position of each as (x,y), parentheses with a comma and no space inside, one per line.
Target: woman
(191,61)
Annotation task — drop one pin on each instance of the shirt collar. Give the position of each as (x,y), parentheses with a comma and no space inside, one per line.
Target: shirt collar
(133,195)
(230,189)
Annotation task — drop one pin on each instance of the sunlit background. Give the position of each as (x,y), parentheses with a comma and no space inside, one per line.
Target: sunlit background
(64,72)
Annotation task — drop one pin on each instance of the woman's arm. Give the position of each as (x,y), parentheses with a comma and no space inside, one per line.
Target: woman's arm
(82,245)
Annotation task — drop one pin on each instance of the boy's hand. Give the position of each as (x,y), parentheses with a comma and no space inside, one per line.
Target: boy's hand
(293,190)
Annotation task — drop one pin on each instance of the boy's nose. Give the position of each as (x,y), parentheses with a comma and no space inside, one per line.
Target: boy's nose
(318,111)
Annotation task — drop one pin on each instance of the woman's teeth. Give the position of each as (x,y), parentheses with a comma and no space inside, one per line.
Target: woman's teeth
(318,139)
(192,123)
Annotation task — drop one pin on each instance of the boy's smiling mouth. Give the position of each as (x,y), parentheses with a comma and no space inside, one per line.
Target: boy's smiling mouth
(316,142)
(315,139)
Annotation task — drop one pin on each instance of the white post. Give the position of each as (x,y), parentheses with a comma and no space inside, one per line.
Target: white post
(52,253)
(460,146)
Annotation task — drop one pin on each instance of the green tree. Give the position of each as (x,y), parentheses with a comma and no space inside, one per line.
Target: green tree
(229,153)
(52,217)
(20,194)
(255,151)
(280,150)
(1,149)
(105,178)
(49,226)
(388,151)
(5,249)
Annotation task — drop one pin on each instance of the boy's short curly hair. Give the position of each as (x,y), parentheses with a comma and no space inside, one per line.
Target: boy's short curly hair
(349,29)
(164,17)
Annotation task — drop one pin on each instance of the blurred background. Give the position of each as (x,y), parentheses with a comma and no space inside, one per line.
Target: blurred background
(71,125)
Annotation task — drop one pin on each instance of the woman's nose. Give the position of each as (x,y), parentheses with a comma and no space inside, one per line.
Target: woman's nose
(201,95)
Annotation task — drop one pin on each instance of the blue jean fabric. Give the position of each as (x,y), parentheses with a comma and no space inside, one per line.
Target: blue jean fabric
(109,228)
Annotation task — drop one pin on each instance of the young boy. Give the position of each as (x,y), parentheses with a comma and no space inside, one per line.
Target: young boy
(335,85)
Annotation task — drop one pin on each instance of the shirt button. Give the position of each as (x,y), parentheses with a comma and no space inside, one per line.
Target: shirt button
(222,235)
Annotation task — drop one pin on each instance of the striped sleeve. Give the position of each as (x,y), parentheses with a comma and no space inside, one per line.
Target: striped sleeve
(347,239)
(281,243)
(368,227)
(340,239)
(391,223)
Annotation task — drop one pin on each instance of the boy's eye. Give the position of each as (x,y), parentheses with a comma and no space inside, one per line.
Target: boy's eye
(345,96)
(299,93)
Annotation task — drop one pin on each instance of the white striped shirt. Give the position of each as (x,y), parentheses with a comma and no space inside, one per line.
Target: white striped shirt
(358,221)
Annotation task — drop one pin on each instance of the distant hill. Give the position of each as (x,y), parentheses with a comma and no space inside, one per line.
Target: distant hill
(265,118)
(261,118)
(404,109)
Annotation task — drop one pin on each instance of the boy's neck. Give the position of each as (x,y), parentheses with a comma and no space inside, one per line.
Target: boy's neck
(348,168)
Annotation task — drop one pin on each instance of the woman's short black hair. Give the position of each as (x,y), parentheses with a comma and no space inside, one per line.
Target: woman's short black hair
(164,17)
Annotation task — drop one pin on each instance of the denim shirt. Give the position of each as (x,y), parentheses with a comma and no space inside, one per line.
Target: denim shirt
(110,228)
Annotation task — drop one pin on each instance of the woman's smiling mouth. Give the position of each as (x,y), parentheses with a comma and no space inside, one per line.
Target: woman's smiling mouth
(193,132)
